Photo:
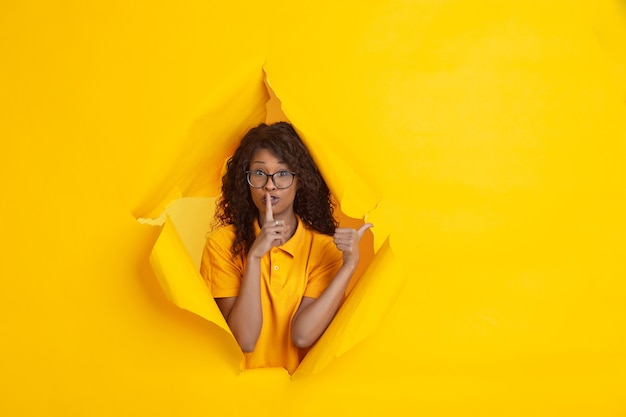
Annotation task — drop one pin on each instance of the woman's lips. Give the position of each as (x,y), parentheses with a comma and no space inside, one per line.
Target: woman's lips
(273,200)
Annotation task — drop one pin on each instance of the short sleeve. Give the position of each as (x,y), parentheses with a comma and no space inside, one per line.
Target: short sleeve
(220,270)
(326,260)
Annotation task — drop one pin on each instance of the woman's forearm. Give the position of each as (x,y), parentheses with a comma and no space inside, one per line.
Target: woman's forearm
(245,319)
(312,319)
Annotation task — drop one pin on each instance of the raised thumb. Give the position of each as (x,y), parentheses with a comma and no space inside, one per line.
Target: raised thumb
(363,228)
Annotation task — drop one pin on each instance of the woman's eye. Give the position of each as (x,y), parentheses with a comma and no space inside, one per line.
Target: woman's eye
(258,173)
(282,173)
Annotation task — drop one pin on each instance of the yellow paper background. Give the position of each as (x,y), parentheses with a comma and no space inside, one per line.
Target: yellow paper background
(486,140)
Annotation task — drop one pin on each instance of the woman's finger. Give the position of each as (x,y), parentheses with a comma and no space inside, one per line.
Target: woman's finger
(363,228)
(269,216)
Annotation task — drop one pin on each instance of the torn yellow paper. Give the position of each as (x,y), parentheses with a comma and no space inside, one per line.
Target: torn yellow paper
(180,279)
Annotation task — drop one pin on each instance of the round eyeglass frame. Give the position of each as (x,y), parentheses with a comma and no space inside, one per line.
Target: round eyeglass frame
(267,177)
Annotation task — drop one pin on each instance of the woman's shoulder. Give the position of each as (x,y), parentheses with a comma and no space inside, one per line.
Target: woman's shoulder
(222,234)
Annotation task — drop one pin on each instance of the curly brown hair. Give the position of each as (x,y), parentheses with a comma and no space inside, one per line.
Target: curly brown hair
(313,202)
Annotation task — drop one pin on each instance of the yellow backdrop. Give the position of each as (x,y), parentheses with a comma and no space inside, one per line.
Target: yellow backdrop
(486,140)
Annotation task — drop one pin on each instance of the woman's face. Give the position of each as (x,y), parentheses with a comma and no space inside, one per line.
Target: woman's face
(281,198)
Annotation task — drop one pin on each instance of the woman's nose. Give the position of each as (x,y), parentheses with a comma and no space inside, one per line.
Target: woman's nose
(269,185)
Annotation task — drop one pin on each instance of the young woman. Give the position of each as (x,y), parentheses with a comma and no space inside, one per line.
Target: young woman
(278,265)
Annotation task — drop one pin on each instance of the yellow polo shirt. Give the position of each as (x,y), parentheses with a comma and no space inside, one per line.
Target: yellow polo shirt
(303,266)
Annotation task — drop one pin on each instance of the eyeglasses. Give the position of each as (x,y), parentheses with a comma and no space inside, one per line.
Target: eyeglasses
(281,179)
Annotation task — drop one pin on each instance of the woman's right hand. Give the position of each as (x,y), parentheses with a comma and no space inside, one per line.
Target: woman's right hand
(273,233)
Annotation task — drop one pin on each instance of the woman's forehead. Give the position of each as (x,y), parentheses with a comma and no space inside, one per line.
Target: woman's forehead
(266,157)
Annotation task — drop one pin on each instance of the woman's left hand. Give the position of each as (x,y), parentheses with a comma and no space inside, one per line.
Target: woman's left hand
(347,240)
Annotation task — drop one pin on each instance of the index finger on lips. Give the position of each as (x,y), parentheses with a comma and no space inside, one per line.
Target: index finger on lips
(269,216)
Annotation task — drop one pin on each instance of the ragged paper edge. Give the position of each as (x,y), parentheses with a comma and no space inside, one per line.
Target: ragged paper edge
(182,284)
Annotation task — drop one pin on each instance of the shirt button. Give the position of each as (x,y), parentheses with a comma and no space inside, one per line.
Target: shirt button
(275,267)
